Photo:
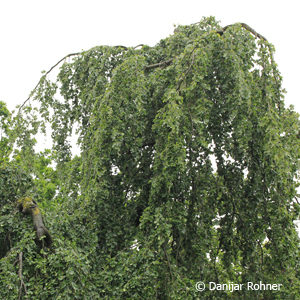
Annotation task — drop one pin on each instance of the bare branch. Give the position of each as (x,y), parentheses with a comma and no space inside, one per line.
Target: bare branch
(247,27)
(139,45)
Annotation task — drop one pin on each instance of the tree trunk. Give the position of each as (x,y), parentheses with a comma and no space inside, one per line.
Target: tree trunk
(28,206)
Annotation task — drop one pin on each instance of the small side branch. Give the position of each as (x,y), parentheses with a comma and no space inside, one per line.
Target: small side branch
(159,65)
(187,71)
(20,273)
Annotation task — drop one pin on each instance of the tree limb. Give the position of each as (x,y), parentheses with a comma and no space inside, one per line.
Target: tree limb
(20,273)
(247,27)
(139,45)
(28,206)
(164,63)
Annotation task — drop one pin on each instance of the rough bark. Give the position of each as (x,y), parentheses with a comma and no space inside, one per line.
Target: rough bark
(28,206)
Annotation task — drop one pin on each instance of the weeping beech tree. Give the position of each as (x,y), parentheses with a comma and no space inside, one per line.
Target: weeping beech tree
(188,165)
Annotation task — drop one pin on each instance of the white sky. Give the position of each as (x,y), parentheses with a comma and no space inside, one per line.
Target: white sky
(35,34)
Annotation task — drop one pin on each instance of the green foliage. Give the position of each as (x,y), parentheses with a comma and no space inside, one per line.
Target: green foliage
(187,172)
(5,119)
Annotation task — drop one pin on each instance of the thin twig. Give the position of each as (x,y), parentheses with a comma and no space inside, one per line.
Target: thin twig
(168,261)
(22,284)
(187,71)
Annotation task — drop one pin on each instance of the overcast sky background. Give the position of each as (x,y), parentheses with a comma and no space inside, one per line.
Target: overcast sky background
(36,34)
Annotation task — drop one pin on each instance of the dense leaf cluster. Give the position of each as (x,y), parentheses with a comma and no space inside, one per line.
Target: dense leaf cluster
(187,171)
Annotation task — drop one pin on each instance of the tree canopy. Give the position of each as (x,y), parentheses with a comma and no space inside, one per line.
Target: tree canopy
(187,171)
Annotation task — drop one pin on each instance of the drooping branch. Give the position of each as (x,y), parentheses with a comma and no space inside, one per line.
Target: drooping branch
(54,66)
(28,206)
(247,27)
(147,68)
(49,71)
(244,25)
(188,70)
